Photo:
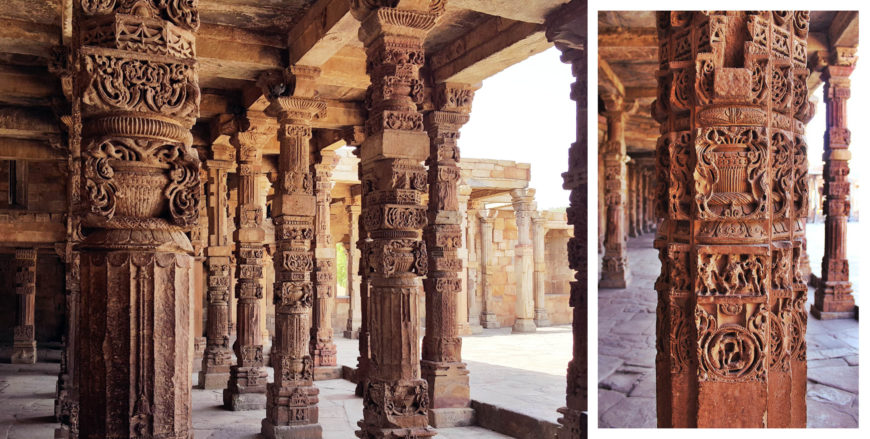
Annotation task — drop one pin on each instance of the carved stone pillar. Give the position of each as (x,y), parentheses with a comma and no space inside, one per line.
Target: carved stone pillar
(833,298)
(472,241)
(136,96)
(539,232)
(217,358)
(566,27)
(292,398)
(732,189)
(247,386)
(632,198)
(24,343)
(614,266)
(488,317)
(648,195)
(393,182)
(639,196)
(354,313)
(442,365)
(524,262)
(463,321)
(322,347)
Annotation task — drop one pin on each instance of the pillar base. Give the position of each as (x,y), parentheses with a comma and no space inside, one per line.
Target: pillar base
(307,431)
(24,352)
(833,315)
(615,280)
(244,401)
(541,318)
(489,320)
(213,380)
(391,433)
(464,328)
(62,432)
(353,335)
(322,373)
(523,326)
(475,328)
(451,417)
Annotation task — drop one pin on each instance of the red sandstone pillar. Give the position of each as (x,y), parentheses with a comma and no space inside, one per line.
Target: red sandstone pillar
(322,347)
(247,386)
(614,266)
(393,184)
(566,27)
(442,365)
(136,96)
(731,318)
(24,343)
(632,198)
(217,358)
(833,298)
(292,410)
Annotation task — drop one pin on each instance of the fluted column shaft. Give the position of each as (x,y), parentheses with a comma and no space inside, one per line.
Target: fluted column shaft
(488,316)
(833,299)
(524,262)
(539,233)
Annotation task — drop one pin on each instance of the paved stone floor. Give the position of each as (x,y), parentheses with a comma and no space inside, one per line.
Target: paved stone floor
(523,373)
(626,348)
(27,409)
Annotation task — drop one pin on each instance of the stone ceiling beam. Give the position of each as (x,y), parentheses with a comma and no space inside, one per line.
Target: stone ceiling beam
(608,79)
(27,122)
(532,11)
(21,149)
(844,29)
(496,44)
(627,37)
(27,38)
(326,27)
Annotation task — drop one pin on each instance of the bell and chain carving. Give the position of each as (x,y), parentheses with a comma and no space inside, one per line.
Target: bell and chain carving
(291,406)
(441,364)
(135,94)
(731,167)
(833,299)
(392,217)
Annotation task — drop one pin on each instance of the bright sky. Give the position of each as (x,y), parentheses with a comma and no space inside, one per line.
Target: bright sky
(525,114)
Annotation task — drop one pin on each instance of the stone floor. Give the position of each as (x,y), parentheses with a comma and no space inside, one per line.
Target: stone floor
(27,401)
(626,348)
(523,373)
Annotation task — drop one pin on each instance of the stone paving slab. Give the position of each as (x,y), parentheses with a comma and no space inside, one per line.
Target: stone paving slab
(626,348)
(27,409)
(524,373)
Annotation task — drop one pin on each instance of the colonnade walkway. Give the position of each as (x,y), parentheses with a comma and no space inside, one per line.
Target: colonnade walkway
(521,373)
(626,347)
